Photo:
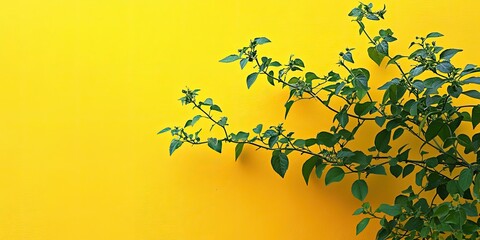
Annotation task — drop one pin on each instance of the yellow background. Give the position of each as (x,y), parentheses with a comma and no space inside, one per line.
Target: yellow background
(85,86)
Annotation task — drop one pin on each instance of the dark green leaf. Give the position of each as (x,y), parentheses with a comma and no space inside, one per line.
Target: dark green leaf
(174,145)
(270,78)
(414,224)
(319,169)
(380,120)
(308,167)
(241,136)
(230,58)
(449,53)
(327,139)
(398,132)
(342,118)
(360,189)
(382,139)
(434,35)
(396,170)
(378,169)
(288,105)
(164,130)
(215,144)
(389,209)
(475,115)
(251,79)
(465,179)
(362,225)
(238,150)
(215,108)
(454,90)
(335,174)
(433,129)
(408,169)
(279,162)
(363,108)
(472,94)
(375,55)
(419,177)
(261,40)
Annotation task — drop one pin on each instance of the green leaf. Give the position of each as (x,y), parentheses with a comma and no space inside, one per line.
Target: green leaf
(342,118)
(475,80)
(258,129)
(335,174)
(413,223)
(362,225)
(454,90)
(208,102)
(348,57)
(393,211)
(382,139)
(241,136)
(375,55)
(272,140)
(433,129)
(363,108)
(472,94)
(327,139)
(279,162)
(164,130)
(215,144)
(445,67)
(308,167)
(419,177)
(380,121)
(174,145)
(382,47)
(309,76)
(319,169)
(378,169)
(434,35)
(465,179)
(475,115)
(408,169)
(270,78)
(417,71)
(449,53)
(398,132)
(215,108)
(396,170)
(395,59)
(238,150)
(193,121)
(288,105)
(261,40)
(243,63)
(251,79)
(360,189)
(230,58)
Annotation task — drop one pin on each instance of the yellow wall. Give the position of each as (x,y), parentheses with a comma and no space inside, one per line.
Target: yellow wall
(86,84)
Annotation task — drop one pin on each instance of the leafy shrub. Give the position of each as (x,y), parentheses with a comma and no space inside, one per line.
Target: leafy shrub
(421,102)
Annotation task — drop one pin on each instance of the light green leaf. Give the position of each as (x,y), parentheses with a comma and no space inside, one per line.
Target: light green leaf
(215,144)
(251,79)
(238,150)
(174,145)
(362,225)
(230,58)
(261,40)
(164,130)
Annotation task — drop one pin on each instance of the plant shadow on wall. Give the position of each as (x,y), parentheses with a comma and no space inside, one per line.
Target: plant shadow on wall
(421,102)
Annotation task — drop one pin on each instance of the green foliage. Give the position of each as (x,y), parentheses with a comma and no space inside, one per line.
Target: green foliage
(420,103)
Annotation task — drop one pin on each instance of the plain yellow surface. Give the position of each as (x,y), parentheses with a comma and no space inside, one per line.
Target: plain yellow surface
(86,84)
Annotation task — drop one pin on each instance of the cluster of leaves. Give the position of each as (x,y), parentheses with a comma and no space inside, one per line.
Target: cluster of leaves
(419,102)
